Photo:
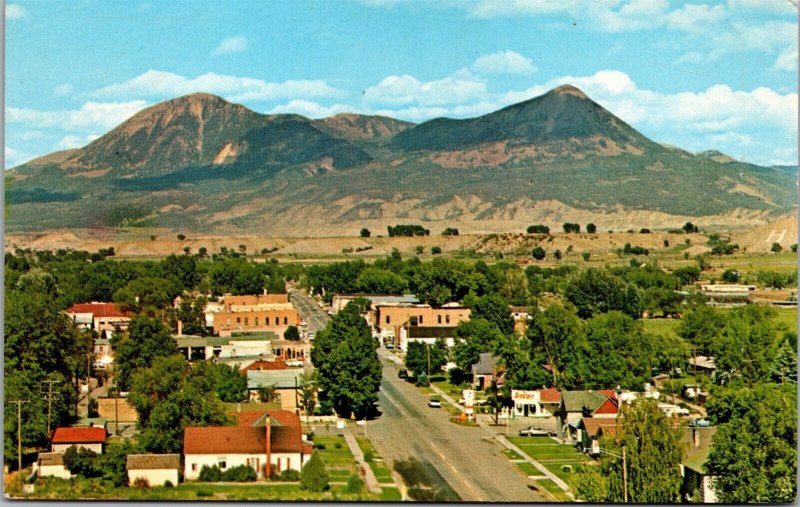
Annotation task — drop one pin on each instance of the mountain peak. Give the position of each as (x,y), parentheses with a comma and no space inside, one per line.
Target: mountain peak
(568,89)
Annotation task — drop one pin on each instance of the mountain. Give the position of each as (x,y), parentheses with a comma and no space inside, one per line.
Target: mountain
(201,163)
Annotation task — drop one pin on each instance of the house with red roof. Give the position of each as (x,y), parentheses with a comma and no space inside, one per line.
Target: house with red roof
(88,437)
(259,438)
(103,318)
(578,405)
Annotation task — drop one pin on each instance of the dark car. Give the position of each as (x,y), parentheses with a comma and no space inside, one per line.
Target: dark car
(403,373)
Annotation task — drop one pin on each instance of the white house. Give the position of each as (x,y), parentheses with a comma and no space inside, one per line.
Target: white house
(51,464)
(274,437)
(91,438)
(156,469)
(541,403)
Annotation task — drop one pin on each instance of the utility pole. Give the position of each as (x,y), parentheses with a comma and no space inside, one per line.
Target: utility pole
(88,383)
(624,477)
(696,391)
(428,351)
(19,430)
(50,383)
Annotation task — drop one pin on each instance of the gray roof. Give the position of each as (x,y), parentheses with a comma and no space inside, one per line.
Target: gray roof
(431,331)
(51,459)
(380,298)
(485,364)
(281,379)
(154,462)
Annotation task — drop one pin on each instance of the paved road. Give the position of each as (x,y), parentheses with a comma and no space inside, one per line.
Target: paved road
(408,431)
(466,458)
(309,310)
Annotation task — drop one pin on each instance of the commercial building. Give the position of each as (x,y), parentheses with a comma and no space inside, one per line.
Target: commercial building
(262,313)
(390,319)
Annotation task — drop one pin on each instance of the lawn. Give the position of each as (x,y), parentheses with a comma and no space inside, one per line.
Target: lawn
(661,327)
(336,455)
(96,489)
(377,464)
(552,455)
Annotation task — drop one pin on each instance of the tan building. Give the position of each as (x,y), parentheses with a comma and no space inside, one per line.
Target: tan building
(390,319)
(155,469)
(265,312)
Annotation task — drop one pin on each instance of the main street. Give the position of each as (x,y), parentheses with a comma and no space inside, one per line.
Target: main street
(407,431)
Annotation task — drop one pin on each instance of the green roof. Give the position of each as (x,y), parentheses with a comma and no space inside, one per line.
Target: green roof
(695,457)
(574,401)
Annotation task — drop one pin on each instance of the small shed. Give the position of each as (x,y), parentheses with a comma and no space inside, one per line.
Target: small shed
(156,469)
(51,464)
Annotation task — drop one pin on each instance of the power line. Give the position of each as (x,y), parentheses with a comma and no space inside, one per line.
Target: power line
(49,398)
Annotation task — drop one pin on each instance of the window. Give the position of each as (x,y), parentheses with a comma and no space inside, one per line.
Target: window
(388,320)
(222,465)
(285,320)
(227,322)
(266,321)
(447,319)
(438,319)
(256,319)
(194,467)
(238,320)
(420,319)
(245,321)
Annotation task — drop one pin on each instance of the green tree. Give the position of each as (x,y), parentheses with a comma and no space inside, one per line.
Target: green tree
(591,228)
(473,337)
(628,352)
(364,233)
(538,229)
(597,291)
(538,253)
(419,354)
(731,276)
(558,333)
(192,316)
(145,340)
(776,248)
(308,393)
(494,308)
(653,450)
(381,281)
(291,334)
(754,451)
(313,476)
(82,461)
(231,384)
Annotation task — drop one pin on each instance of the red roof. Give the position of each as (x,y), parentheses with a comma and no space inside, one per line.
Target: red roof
(607,407)
(81,435)
(98,310)
(550,395)
(608,392)
(277,364)
(286,435)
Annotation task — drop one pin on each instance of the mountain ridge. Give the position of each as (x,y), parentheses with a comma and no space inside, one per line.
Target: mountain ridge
(200,162)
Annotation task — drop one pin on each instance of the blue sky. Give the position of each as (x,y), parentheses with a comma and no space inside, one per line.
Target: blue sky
(705,75)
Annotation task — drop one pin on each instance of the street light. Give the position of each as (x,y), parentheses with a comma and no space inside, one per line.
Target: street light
(624,470)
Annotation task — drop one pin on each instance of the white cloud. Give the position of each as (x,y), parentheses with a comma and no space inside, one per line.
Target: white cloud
(311,109)
(104,115)
(161,84)
(13,158)
(504,62)
(69,142)
(32,135)
(15,11)
(787,60)
(772,6)
(231,45)
(398,90)
(690,57)
(696,18)
(62,90)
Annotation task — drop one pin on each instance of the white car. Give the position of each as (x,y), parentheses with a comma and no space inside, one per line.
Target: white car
(434,403)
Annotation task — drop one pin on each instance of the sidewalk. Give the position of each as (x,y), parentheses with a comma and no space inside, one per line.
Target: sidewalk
(369,476)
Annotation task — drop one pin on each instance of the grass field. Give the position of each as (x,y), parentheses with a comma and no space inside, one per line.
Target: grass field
(379,468)
(552,455)
(96,489)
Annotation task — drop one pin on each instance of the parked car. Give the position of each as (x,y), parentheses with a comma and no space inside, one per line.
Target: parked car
(434,402)
(403,373)
(389,345)
(535,432)
(699,423)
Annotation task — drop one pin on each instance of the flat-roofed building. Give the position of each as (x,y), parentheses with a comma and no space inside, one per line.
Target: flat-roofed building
(264,312)
(390,319)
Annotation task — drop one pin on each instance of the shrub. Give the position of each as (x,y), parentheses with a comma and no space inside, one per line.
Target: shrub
(210,474)
(591,228)
(570,227)
(538,229)
(320,446)
(241,473)
(203,493)
(557,255)
(450,231)
(644,231)
(731,276)
(168,484)
(141,482)
(538,253)
(567,469)
(794,248)
(364,233)
(419,249)
(152,237)
(338,445)
(586,256)
(289,475)
(314,477)
(422,380)
(456,376)
(181,237)
(291,334)
(436,250)
(354,485)
(369,455)
(776,248)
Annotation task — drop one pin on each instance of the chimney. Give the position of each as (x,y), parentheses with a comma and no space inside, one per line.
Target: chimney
(695,437)
(268,471)
(180,328)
